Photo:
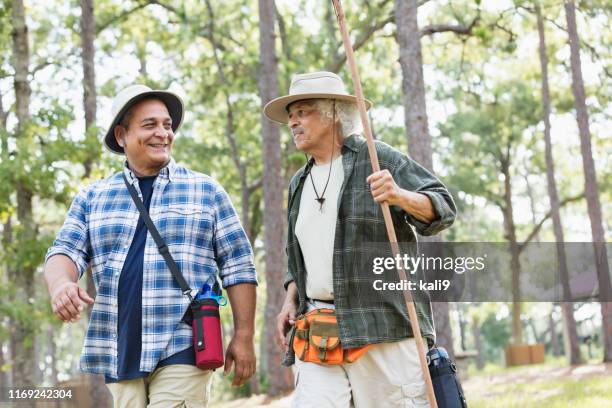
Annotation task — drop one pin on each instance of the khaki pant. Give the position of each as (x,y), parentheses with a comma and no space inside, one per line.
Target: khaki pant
(171,386)
(388,375)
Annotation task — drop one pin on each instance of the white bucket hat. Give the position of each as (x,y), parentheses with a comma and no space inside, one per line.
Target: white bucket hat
(315,85)
(133,94)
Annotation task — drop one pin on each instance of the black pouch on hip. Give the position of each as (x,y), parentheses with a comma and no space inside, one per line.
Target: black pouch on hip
(443,371)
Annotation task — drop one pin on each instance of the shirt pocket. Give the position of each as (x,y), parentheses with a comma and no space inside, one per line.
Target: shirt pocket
(361,215)
(189,225)
(361,203)
(186,209)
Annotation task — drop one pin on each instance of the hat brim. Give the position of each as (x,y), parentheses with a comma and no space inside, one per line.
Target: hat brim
(172,101)
(276,109)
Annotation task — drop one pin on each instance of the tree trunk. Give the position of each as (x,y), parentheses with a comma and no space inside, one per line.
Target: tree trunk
(3,374)
(281,378)
(415,122)
(246,209)
(141,53)
(572,348)
(554,340)
(9,373)
(52,352)
(3,132)
(480,363)
(413,82)
(23,336)
(515,266)
(39,357)
(444,332)
(590,182)
(536,337)
(532,201)
(462,325)
(100,396)
(88,35)
(7,239)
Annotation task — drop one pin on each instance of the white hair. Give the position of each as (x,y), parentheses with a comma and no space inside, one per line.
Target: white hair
(348,114)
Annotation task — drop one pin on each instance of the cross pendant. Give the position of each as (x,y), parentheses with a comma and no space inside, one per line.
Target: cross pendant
(320,201)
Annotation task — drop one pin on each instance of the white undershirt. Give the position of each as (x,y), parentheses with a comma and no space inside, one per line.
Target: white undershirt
(316,229)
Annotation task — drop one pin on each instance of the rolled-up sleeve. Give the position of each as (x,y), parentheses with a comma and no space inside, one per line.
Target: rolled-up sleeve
(291,244)
(288,280)
(411,176)
(288,275)
(233,251)
(72,239)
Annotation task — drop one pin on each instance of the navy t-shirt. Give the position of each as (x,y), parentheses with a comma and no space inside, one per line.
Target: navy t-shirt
(129,300)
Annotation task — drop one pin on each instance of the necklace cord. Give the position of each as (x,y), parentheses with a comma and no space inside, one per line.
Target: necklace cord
(321,199)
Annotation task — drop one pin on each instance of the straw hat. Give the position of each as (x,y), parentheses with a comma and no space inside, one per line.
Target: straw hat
(315,85)
(130,96)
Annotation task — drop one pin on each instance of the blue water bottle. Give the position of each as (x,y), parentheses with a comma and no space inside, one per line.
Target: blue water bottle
(443,371)
(206,292)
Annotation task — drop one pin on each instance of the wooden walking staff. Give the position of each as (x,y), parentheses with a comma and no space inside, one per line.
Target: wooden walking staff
(414,323)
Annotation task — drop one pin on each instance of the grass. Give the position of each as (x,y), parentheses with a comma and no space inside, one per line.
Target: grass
(592,392)
(551,384)
(493,368)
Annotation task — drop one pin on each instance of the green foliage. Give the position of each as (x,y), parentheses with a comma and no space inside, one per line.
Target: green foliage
(496,332)
(487,134)
(26,313)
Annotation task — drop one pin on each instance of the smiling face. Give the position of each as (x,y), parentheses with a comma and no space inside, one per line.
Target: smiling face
(310,129)
(147,141)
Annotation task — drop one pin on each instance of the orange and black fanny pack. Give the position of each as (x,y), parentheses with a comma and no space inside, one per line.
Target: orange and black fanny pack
(317,339)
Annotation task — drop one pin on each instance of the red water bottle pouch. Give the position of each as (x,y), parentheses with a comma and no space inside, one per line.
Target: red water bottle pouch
(207,342)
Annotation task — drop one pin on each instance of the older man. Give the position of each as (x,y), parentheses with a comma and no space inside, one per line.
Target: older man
(333,213)
(136,335)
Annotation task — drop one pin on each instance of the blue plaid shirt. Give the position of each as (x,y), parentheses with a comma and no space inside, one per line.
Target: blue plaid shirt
(195,217)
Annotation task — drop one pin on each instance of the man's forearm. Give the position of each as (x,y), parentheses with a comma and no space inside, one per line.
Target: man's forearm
(243,300)
(58,270)
(418,205)
(292,293)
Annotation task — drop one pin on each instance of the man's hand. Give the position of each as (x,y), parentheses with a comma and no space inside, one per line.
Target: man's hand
(284,320)
(241,354)
(384,188)
(67,300)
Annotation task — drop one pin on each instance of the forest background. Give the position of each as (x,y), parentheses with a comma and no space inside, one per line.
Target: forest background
(507,101)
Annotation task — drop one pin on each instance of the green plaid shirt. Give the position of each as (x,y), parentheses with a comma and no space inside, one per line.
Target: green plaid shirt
(366,316)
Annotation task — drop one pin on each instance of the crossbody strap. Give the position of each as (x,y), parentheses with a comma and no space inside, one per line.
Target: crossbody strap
(159,241)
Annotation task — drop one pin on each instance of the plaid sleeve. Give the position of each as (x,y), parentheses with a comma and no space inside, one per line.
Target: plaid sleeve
(411,176)
(73,239)
(233,251)
(288,275)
